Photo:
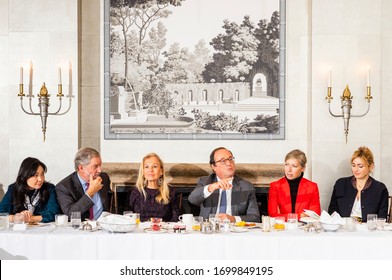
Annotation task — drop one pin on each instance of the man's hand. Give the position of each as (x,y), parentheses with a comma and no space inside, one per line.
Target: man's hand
(94,185)
(224,184)
(222,216)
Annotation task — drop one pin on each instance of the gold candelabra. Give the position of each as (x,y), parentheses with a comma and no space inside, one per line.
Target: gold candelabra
(43,98)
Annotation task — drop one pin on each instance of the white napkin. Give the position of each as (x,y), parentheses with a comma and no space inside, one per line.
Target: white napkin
(334,219)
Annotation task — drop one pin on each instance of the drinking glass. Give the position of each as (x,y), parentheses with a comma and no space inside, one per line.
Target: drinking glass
(76,220)
(266,222)
(4,221)
(371,222)
(197,221)
(280,223)
(380,223)
(351,223)
(292,221)
(19,218)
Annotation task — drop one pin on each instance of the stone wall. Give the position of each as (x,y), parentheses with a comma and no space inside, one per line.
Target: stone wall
(186,174)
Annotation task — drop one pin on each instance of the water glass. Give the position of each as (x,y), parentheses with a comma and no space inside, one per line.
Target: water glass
(292,221)
(4,221)
(19,218)
(76,220)
(351,223)
(380,223)
(224,225)
(371,222)
(266,223)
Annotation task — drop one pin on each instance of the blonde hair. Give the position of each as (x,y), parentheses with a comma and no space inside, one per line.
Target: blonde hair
(298,155)
(163,196)
(364,153)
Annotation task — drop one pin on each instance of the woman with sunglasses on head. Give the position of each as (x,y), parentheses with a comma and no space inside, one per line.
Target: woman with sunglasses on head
(360,194)
(293,193)
(30,195)
(152,196)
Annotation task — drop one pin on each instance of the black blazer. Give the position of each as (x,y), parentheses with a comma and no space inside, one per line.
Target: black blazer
(71,196)
(374,199)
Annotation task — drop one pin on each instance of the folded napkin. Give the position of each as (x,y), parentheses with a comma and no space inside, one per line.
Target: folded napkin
(334,219)
(312,217)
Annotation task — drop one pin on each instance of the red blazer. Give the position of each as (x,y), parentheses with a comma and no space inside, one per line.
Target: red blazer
(279,199)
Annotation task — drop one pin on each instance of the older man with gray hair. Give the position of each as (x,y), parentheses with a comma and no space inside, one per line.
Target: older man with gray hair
(85,190)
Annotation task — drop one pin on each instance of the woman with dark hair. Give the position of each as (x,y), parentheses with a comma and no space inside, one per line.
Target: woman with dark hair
(31,195)
(360,194)
(152,196)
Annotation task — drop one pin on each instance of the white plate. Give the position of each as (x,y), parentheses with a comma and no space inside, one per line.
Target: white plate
(36,225)
(148,230)
(388,228)
(239,229)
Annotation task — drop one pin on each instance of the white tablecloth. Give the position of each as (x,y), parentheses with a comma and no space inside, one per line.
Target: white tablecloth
(49,242)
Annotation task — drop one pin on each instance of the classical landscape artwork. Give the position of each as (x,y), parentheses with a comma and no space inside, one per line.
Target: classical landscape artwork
(194,69)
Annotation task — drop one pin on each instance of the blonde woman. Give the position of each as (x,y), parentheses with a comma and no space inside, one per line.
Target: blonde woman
(152,196)
(360,194)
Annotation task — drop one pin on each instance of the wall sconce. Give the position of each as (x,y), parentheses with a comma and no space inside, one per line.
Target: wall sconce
(43,97)
(346,100)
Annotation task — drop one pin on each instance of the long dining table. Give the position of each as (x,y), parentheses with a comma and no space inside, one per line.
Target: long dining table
(48,242)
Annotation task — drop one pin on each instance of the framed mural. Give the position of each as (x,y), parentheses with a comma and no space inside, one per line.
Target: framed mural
(194,69)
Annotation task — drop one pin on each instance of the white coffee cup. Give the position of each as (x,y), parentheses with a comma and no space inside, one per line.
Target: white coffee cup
(187,219)
(61,220)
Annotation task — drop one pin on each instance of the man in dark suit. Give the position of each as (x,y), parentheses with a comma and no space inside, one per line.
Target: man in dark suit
(85,190)
(223,193)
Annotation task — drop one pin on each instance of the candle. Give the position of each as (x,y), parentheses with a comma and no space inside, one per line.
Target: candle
(368,76)
(329,77)
(59,75)
(31,73)
(21,75)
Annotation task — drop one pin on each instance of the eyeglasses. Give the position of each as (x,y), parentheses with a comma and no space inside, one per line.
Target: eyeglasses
(224,161)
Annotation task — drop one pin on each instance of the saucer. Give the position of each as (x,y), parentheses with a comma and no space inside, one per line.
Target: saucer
(238,229)
(148,230)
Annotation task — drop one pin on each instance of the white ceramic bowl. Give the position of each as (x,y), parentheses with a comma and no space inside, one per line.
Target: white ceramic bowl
(118,227)
(330,227)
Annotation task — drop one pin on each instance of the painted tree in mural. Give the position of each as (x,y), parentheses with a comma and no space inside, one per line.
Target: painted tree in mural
(244,49)
(139,45)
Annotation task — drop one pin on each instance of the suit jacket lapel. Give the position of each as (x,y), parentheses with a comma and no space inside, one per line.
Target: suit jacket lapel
(235,196)
(286,196)
(77,185)
(302,190)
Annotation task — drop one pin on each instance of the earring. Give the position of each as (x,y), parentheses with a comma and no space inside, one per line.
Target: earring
(160,181)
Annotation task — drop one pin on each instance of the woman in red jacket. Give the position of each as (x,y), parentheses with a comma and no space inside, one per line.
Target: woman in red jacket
(293,193)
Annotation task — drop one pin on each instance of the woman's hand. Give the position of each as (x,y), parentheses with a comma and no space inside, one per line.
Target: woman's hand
(27,216)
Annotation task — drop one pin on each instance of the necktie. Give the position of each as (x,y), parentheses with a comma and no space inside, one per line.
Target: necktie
(223,203)
(91,210)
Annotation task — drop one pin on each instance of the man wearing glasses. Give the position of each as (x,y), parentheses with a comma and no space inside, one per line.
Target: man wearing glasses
(223,193)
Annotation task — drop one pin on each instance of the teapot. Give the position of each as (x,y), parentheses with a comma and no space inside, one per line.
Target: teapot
(207,227)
